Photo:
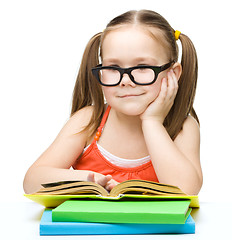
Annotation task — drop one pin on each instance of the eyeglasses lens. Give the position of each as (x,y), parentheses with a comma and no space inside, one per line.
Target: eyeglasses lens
(143,75)
(140,75)
(109,76)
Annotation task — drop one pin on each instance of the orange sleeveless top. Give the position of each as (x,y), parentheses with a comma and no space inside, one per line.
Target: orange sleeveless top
(93,160)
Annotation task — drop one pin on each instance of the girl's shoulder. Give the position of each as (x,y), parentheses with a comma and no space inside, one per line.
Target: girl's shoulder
(78,121)
(83,114)
(190,130)
(191,124)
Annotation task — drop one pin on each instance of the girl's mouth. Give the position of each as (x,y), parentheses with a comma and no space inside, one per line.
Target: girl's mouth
(130,95)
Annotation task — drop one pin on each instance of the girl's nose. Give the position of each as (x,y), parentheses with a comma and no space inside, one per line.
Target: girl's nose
(126,81)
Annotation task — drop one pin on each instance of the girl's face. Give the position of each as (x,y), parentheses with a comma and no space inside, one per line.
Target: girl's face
(131,46)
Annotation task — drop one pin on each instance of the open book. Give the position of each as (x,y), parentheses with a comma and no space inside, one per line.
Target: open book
(54,194)
(128,187)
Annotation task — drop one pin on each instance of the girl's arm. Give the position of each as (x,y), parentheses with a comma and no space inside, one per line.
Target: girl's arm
(54,164)
(176,162)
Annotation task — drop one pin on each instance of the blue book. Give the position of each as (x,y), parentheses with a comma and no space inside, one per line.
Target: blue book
(47,227)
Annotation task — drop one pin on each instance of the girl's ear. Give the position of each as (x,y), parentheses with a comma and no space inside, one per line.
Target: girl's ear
(177,68)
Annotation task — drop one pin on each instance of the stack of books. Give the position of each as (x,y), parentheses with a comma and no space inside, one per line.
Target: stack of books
(132,207)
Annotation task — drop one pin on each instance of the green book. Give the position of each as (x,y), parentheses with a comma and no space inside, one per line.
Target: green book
(169,212)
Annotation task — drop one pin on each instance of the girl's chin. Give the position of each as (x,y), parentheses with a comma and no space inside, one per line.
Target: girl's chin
(130,109)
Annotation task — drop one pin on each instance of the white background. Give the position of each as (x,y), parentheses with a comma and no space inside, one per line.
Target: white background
(41,45)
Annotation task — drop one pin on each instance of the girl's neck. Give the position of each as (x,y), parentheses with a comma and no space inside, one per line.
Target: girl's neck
(126,122)
(122,134)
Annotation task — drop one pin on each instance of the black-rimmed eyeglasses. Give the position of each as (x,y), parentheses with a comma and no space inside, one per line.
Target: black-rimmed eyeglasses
(141,75)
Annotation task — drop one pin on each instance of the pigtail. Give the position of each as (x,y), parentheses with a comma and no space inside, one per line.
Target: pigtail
(87,90)
(189,64)
(190,71)
(183,104)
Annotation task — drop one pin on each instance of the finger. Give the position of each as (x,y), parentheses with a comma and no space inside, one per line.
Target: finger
(172,85)
(163,90)
(104,180)
(175,79)
(175,82)
(91,177)
(110,185)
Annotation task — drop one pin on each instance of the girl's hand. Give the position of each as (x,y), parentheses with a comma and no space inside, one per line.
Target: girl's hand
(105,181)
(159,108)
(111,184)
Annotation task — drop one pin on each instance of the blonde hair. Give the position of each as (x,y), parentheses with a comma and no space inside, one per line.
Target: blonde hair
(87,90)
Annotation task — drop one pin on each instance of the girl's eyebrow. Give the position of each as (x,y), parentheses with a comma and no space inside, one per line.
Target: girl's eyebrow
(150,60)
(111,60)
(135,60)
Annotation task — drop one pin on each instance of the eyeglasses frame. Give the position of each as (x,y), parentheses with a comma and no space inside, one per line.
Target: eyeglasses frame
(122,71)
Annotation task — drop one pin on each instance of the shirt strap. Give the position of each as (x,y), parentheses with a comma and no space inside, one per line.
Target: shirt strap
(103,121)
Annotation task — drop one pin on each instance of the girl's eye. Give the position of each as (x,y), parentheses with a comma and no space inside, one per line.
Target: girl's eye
(142,69)
(114,68)
(112,65)
(142,65)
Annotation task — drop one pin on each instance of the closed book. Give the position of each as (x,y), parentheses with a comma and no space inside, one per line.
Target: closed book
(48,227)
(169,212)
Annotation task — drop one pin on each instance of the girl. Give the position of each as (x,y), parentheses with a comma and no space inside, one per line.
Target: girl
(148,129)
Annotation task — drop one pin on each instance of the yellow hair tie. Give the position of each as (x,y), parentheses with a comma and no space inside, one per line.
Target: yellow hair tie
(177,34)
